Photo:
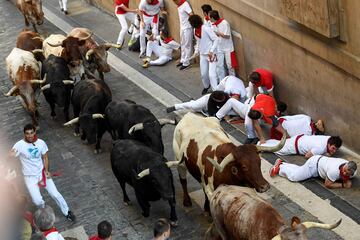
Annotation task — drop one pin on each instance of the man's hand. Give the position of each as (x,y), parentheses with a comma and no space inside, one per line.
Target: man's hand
(309,154)
(262,140)
(48,174)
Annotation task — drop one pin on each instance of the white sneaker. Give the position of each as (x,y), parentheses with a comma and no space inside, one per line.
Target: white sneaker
(142,54)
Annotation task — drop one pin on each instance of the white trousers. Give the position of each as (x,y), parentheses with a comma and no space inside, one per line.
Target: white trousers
(186,37)
(224,60)
(232,104)
(154,47)
(288,149)
(63,4)
(124,25)
(208,72)
(297,173)
(148,23)
(194,105)
(31,183)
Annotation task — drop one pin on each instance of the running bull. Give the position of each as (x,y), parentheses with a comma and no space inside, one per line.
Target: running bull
(212,159)
(32,12)
(239,213)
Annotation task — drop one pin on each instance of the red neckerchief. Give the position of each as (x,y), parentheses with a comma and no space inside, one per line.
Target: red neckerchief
(181,2)
(95,238)
(218,22)
(51,230)
(154,2)
(167,40)
(198,31)
(313,128)
(207,18)
(342,176)
(35,139)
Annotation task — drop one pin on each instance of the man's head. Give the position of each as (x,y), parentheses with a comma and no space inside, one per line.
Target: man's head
(206,8)
(333,144)
(162,229)
(254,114)
(254,77)
(214,15)
(44,218)
(349,169)
(29,132)
(195,21)
(104,230)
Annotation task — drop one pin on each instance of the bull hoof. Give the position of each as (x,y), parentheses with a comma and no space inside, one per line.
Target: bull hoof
(76,134)
(174,223)
(127,203)
(187,203)
(145,214)
(97,151)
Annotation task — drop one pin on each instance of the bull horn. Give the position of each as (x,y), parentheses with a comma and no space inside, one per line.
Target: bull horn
(38,38)
(220,167)
(172,163)
(27,1)
(164,121)
(55,45)
(321,225)
(136,127)
(143,173)
(37,51)
(37,81)
(98,115)
(89,53)
(109,45)
(276,148)
(277,237)
(75,120)
(11,91)
(47,86)
(68,82)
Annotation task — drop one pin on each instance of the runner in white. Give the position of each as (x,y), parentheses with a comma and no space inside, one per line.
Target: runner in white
(225,52)
(186,32)
(123,12)
(63,6)
(33,156)
(149,15)
(328,168)
(163,51)
(308,145)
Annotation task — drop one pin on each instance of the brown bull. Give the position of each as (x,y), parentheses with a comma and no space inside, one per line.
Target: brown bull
(239,213)
(29,40)
(202,143)
(32,12)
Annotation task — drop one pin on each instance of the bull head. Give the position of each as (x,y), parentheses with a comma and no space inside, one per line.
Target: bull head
(312,225)
(140,126)
(146,172)
(76,120)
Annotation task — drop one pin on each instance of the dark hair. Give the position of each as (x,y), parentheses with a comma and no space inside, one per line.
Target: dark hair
(281,106)
(206,8)
(29,126)
(214,15)
(104,229)
(195,21)
(335,140)
(161,226)
(254,114)
(254,77)
(165,33)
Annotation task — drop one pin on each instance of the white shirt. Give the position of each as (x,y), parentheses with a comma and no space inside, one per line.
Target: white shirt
(328,167)
(151,9)
(297,124)
(208,41)
(30,155)
(184,12)
(225,45)
(233,85)
(54,236)
(167,48)
(316,144)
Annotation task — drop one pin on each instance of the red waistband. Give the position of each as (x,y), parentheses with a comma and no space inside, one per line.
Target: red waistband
(297,143)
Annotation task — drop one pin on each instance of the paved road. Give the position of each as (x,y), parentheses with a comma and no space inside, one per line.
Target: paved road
(87,182)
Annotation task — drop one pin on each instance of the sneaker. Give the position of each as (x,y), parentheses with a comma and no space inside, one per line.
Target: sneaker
(204,91)
(276,168)
(145,60)
(179,65)
(71,217)
(146,64)
(170,109)
(66,12)
(62,9)
(183,67)
(142,54)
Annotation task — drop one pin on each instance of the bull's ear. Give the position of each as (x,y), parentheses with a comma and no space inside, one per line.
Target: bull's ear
(294,222)
(82,42)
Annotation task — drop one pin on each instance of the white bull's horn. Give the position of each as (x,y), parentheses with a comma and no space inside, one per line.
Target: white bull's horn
(72,121)
(277,237)
(172,163)
(47,86)
(37,81)
(136,127)
(109,45)
(220,167)
(38,38)
(55,45)
(37,51)
(68,82)
(321,225)
(89,53)
(143,173)
(98,115)
(164,121)
(279,146)
(11,91)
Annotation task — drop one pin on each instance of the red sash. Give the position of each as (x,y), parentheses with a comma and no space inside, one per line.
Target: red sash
(274,133)
(234,62)
(297,142)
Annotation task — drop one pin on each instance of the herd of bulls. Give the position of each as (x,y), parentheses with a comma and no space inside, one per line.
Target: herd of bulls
(201,146)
